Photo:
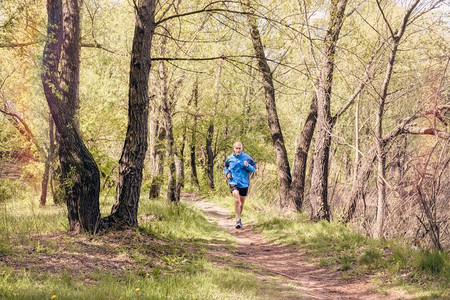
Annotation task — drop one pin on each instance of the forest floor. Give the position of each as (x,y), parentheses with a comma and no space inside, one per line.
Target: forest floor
(298,277)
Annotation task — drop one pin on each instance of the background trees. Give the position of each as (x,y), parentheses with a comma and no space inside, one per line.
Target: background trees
(215,66)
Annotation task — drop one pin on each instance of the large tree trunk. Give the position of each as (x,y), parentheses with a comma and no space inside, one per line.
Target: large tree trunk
(131,164)
(297,189)
(319,184)
(284,172)
(79,170)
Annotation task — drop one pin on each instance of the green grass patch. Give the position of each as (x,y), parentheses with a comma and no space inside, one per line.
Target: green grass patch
(162,259)
(178,221)
(208,282)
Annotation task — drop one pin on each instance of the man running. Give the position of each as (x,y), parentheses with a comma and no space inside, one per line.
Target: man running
(237,169)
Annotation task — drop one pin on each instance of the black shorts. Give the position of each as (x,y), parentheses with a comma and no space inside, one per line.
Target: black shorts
(242,191)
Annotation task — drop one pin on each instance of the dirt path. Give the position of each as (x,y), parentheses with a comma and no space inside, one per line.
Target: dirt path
(306,280)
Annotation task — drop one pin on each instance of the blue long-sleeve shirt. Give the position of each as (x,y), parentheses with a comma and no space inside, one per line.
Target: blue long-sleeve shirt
(240,174)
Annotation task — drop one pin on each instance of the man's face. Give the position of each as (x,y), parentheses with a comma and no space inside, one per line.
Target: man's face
(237,148)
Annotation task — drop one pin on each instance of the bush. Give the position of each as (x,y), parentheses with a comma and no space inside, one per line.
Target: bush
(433,262)
(8,189)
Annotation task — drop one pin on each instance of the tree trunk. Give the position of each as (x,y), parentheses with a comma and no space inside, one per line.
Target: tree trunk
(131,164)
(284,172)
(79,170)
(170,151)
(179,165)
(193,160)
(210,154)
(297,189)
(361,179)
(381,155)
(44,183)
(158,133)
(319,184)
(48,163)
(249,93)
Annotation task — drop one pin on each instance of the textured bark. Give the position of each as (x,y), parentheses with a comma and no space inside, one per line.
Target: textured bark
(210,153)
(48,163)
(193,145)
(158,134)
(361,179)
(284,172)
(44,182)
(170,142)
(357,140)
(179,166)
(79,170)
(297,189)
(70,78)
(131,164)
(319,184)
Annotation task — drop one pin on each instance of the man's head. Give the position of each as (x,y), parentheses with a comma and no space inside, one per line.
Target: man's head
(237,147)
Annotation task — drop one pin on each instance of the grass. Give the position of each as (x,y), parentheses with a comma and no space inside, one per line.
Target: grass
(165,258)
(209,282)
(424,272)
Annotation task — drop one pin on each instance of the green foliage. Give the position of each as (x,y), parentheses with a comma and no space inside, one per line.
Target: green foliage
(23,215)
(8,189)
(433,262)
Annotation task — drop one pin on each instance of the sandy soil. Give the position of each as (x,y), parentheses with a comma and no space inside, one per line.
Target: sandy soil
(296,275)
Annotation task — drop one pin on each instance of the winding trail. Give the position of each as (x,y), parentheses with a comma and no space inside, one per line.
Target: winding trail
(298,278)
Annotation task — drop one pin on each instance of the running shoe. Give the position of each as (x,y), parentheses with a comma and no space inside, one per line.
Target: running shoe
(239,224)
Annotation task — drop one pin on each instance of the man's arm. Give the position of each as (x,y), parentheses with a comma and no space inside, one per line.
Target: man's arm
(251,165)
(226,171)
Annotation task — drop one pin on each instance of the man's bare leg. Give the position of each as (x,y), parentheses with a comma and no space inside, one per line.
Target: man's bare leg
(237,205)
(241,208)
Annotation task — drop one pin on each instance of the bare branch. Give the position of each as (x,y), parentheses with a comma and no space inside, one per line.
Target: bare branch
(99,46)
(385,19)
(411,129)
(18,45)
(24,129)
(367,75)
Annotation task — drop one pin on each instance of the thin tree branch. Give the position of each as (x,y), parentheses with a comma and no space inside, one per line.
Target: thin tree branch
(100,46)
(17,45)
(26,131)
